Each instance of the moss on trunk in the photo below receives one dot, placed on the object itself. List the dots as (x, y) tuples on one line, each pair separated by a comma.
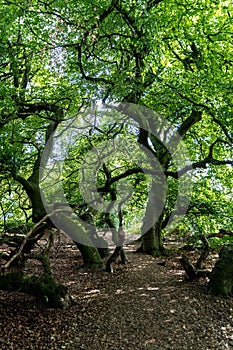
[(44, 288), (221, 278), (152, 223), (152, 242), (90, 254)]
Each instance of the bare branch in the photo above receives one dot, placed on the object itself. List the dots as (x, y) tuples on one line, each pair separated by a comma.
[(110, 181), (219, 140), (223, 127), (203, 164), (194, 118)]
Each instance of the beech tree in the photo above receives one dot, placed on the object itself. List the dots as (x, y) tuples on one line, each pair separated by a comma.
[(34, 102), (174, 58)]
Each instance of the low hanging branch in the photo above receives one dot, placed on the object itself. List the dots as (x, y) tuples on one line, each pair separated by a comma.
[(204, 162), (43, 259), (46, 290), (19, 251), (220, 234)]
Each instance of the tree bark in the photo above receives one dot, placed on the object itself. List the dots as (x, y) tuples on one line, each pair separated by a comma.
[(152, 242), (189, 268), (152, 223), (97, 241), (221, 278), (204, 254), (191, 271), (113, 258), (118, 251), (34, 194), (90, 254)]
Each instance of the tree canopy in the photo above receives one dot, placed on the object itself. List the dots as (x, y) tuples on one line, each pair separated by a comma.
[(58, 58)]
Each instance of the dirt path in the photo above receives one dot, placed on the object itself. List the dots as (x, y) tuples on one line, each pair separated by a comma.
[(141, 306)]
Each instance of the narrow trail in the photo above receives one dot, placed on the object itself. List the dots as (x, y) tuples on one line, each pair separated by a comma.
[(140, 306)]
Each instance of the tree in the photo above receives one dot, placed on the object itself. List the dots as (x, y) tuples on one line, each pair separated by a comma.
[(173, 58), (33, 105)]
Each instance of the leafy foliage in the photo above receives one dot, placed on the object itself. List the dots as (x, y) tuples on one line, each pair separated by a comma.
[(176, 58)]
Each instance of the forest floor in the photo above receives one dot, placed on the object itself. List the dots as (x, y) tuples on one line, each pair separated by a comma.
[(142, 305)]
